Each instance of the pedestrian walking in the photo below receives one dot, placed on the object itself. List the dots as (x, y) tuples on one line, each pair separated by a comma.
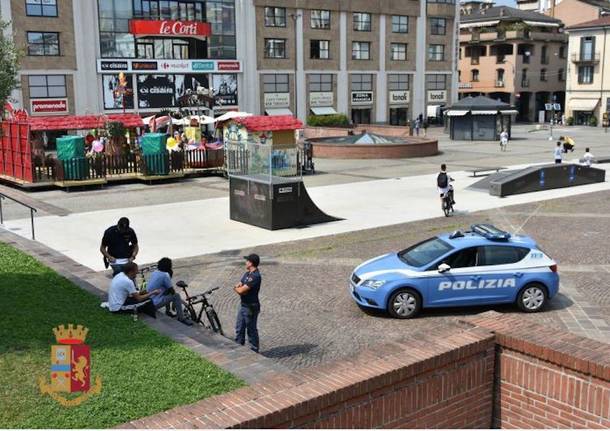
[(558, 153), (417, 126), (250, 307), (426, 127), (503, 140), (588, 158), (119, 245)]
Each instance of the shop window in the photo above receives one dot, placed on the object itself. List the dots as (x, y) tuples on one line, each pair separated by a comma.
[(400, 24), (399, 116), (319, 49), (275, 17), (361, 116), (320, 19), (320, 82), (276, 83), (362, 21), (43, 43), (47, 86), (398, 82), (398, 51), (275, 48), (436, 53), (436, 82), (361, 50), (362, 82), (41, 8), (438, 26)]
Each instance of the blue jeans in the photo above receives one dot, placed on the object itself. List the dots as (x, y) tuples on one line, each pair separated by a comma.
[(247, 317)]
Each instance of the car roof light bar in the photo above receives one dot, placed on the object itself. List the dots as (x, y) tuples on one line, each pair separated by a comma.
[(490, 232)]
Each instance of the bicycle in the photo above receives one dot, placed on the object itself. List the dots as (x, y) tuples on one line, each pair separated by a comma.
[(448, 202), (190, 311), (143, 270)]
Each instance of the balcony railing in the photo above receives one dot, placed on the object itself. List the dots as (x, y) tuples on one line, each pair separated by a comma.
[(474, 60), (525, 82), (500, 59), (585, 58), (499, 83)]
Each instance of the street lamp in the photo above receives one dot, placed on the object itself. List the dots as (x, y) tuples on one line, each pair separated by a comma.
[(295, 17)]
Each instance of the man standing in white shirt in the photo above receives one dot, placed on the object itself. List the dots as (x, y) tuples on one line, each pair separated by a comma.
[(558, 153), (588, 158)]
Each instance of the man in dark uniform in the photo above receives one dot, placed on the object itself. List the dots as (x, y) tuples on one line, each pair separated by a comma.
[(250, 306), (119, 245)]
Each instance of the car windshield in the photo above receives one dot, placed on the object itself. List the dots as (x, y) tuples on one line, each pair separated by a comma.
[(425, 252)]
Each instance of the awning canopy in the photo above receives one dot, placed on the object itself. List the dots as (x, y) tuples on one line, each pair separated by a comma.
[(433, 111), (456, 113), (263, 123), (483, 112), (509, 112), (278, 111), (583, 104), (479, 24), (541, 23), (328, 110), (83, 122)]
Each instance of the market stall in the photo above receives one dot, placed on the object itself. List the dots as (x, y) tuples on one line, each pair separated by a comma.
[(479, 119)]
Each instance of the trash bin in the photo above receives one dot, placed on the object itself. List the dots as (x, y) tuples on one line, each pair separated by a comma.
[(70, 147)]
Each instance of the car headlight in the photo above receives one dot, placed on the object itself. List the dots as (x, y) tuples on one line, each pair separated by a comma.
[(373, 284)]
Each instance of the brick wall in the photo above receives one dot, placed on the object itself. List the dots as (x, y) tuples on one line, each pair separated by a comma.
[(488, 370), (547, 378), (430, 382), (420, 148), (380, 129)]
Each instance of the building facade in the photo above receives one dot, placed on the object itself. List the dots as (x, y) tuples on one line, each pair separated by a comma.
[(516, 56), (381, 61), (588, 89), (570, 12)]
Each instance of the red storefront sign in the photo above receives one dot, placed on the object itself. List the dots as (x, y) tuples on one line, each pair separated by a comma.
[(49, 106), (228, 65), (169, 28)]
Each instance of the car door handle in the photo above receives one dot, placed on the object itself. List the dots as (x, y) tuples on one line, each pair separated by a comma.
[(518, 274)]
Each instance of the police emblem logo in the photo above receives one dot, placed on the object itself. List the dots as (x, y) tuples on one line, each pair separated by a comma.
[(70, 367)]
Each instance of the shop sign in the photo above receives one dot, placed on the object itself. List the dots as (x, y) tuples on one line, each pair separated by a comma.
[(321, 99), (175, 66), (144, 65), (362, 97), (203, 66), (143, 27), (437, 96), (277, 100), (233, 66), (399, 97), (49, 106), (114, 65)]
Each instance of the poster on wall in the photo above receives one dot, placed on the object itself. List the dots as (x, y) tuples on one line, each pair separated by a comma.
[(225, 89), (165, 91), (112, 98)]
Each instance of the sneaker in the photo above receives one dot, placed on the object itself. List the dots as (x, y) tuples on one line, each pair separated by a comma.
[(186, 322)]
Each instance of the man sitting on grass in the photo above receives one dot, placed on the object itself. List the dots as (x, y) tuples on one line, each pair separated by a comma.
[(123, 289)]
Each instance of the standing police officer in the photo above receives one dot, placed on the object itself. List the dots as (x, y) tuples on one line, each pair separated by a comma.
[(250, 306)]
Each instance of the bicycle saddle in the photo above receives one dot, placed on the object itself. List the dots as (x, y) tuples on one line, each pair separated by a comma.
[(181, 284)]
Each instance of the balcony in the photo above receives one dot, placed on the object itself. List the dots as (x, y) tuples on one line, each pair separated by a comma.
[(585, 58), (525, 82), (500, 59), (474, 61), (499, 83)]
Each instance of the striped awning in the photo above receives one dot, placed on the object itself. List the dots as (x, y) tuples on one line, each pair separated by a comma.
[(509, 111), (479, 24), (483, 112), (541, 23), (456, 113)]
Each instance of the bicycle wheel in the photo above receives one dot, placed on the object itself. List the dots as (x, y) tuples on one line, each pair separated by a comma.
[(214, 320), (446, 207), (189, 312)]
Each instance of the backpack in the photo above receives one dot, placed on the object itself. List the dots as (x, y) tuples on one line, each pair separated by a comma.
[(442, 181)]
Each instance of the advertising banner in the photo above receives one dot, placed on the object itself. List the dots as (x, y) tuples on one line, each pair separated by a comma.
[(362, 97), (167, 66), (144, 27), (437, 96), (277, 100), (165, 91), (321, 99), (399, 97), (112, 98), (225, 89)]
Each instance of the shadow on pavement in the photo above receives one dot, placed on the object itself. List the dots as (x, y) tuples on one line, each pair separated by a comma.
[(289, 350)]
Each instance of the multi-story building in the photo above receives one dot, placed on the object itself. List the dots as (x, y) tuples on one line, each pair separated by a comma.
[(570, 12), (515, 56), (376, 61), (588, 89), (382, 61)]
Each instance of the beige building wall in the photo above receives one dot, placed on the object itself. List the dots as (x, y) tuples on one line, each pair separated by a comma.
[(572, 12), (599, 89)]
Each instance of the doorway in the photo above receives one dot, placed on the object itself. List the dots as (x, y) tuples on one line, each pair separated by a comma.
[(398, 116), (361, 116)]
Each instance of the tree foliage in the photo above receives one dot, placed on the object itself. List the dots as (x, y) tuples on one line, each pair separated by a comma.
[(10, 56)]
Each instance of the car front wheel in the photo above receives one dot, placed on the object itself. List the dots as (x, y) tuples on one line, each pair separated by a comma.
[(532, 298), (404, 304)]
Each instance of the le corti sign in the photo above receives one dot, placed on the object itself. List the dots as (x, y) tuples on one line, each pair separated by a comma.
[(145, 27), (108, 65)]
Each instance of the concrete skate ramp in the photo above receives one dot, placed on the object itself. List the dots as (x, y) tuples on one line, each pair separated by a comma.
[(276, 203), (545, 177), (483, 184)]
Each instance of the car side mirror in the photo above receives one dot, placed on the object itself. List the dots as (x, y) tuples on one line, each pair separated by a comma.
[(443, 267)]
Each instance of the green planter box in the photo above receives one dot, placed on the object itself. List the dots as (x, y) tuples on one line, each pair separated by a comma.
[(153, 143), (70, 147), (75, 168), (157, 164)]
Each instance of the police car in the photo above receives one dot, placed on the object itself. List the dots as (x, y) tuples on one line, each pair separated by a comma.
[(482, 266)]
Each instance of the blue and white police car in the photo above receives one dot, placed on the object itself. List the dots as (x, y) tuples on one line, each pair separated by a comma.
[(481, 266)]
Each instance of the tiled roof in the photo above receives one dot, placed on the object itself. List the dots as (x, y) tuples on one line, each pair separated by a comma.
[(261, 123), (507, 13), (479, 102), (604, 21), (82, 122)]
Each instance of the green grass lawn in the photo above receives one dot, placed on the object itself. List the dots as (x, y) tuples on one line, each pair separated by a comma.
[(142, 371)]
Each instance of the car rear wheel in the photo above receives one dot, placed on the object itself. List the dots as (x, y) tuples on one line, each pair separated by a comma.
[(404, 304), (532, 298)]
